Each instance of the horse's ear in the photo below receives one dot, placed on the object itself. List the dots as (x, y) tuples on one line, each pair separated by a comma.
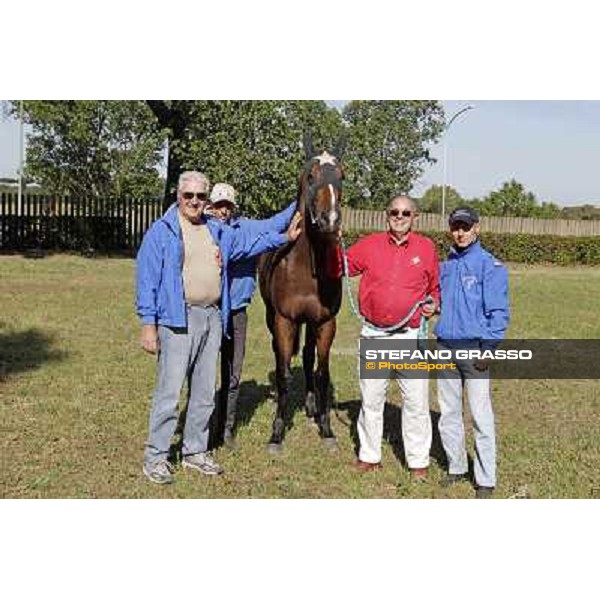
[(340, 146), (309, 148)]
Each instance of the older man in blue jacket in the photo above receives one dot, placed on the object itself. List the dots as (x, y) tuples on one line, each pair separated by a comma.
[(474, 314), (184, 302)]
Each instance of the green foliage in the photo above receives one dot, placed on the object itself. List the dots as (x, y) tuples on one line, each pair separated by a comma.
[(257, 147), (431, 201), (586, 212), (547, 210), (388, 147), (521, 247), (94, 149), (112, 148), (512, 200), (254, 145)]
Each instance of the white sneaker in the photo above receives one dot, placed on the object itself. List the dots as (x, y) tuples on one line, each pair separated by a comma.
[(203, 462), (160, 472)]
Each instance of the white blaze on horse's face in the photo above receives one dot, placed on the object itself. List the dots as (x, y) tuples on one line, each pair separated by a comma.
[(332, 212)]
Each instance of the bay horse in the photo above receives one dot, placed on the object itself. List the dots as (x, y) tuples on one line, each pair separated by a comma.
[(298, 290)]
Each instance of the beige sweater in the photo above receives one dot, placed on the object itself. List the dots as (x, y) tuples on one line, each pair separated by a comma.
[(201, 265)]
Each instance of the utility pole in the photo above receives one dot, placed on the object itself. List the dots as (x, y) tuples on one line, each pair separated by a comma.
[(21, 160), (454, 117)]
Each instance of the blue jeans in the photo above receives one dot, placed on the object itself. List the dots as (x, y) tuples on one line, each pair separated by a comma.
[(190, 353)]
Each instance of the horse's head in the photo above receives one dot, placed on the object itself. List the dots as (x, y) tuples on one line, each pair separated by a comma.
[(321, 191)]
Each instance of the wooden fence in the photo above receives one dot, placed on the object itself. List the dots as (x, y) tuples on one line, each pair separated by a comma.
[(93, 225), (98, 225), (372, 220)]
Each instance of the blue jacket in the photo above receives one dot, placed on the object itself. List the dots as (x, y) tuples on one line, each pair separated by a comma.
[(242, 273), (160, 293), (474, 286)]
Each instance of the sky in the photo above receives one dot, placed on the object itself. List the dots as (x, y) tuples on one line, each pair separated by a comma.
[(551, 147)]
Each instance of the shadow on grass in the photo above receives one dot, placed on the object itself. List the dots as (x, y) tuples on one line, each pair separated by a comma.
[(25, 350), (252, 395), (392, 430), (297, 396)]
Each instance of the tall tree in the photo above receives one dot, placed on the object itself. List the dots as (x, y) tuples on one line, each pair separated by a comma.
[(585, 212), (431, 201), (388, 146), (511, 200), (173, 118), (94, 148), (254, 145)]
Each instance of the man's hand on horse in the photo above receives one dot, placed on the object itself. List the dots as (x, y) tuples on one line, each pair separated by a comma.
[(294, 228), (149, 339)]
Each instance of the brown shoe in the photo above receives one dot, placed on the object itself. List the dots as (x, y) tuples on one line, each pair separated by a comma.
[(419, 474), (365, 467)]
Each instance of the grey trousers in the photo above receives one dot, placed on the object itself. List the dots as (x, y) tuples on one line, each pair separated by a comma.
[(232, 359), (451, 424), (185, 353)]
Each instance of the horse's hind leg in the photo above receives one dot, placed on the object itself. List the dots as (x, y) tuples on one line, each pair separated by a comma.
[(324, 339), (284, 335), (308, 363)]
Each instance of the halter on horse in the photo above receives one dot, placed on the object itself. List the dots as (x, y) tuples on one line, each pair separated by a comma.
[(297, 289)]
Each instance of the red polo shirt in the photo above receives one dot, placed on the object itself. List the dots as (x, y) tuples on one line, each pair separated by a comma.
[(394, 276)]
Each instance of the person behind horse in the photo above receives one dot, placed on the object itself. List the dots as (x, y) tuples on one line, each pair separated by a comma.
[(242, 280), (183, 301), (474, 314), (399, 269)]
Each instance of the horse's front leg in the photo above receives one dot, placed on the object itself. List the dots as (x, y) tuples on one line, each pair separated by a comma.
[(284, 332), (324, 339), (308, 364)]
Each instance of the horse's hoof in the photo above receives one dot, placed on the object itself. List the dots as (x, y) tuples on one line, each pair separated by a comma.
[(274, 449), (330, 443)]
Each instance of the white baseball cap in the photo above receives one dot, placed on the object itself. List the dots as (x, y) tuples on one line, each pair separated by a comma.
[(223, 192)]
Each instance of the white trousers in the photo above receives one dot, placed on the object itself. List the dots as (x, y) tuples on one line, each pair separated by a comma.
[(416, 420)]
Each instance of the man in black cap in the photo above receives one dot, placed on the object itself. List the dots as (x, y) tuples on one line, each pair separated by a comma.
[(474, 315)]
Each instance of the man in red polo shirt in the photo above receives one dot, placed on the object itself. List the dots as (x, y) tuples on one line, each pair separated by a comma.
[(399, 269)]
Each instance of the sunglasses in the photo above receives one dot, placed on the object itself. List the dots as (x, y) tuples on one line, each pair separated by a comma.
[(190, 196), (396, 212)]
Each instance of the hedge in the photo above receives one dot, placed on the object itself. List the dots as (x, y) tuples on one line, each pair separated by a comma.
[(521, 247)]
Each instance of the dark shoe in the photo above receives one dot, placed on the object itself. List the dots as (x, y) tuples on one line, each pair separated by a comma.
[(229, 441), (484, 493), (419, 474), (454, 478), (365, 467)]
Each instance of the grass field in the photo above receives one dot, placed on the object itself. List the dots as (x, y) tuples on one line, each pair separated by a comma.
[(75, 393)]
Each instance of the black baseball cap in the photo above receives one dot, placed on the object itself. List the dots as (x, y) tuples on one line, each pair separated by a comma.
[(465, 214)]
